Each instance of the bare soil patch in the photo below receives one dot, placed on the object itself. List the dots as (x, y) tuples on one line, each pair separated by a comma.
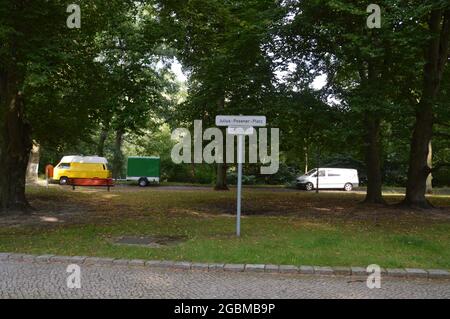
[(62, 206), (150, 241)]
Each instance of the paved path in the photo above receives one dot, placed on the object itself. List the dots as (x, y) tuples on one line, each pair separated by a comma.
[(42, 280)]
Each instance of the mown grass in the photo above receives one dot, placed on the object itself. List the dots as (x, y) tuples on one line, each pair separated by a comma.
[(293, 228)]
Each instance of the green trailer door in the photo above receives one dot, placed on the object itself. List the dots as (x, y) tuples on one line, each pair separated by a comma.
[(143, 167)]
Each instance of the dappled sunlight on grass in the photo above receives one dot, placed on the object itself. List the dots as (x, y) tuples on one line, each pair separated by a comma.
[(109, 196), (278, 227), (49, 219)]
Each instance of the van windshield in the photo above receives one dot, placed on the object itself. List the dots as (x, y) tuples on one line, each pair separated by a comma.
[(64, 166), (311, 172)]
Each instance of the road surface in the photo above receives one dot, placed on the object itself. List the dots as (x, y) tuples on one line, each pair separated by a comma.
[(21, 279)]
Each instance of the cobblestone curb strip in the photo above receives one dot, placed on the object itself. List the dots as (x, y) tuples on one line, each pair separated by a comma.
[(408, 273)]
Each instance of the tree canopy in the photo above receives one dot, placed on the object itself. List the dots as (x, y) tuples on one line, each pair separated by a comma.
[(341, 92)]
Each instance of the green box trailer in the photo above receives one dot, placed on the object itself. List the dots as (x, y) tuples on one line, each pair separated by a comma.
[(144, 170)]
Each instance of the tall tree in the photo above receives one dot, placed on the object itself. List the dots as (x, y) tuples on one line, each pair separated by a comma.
[(221, 45), (135, 85), (436, 59), (45, 72), (373, 72), (362, 65)]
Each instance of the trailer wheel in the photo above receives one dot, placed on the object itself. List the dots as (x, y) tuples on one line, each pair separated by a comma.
[(143, 182)]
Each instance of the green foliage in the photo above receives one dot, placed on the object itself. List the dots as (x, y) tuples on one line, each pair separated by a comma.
[(286, 175), (132, 85), (113, 75), (221, 45), (374, 74), (57, 64)]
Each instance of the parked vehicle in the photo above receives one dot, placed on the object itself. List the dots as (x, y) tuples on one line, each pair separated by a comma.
[(330, 178), (144, 170), (80, 167)]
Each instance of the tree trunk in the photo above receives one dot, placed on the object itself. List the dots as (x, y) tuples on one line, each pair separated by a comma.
[(436, 58), (33, 164), (372, 140), (118, 160), (193, 172), (221, 177), (306, 157), (418, 167), (15, 131), (101, 142), (15, 144), (430, 165), (373, 161), (221, 168)]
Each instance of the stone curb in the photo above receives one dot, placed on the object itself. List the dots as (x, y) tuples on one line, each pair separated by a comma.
[(407, 273)]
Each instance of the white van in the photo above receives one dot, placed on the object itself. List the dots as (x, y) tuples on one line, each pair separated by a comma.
[(330, 178)]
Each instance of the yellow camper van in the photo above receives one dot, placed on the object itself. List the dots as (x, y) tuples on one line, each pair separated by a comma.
[(80, 167)]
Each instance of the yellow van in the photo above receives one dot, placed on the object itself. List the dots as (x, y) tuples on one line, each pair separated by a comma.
[(80, 167)]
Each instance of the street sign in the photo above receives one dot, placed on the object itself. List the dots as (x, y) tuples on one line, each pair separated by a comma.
[(240, 121), (240, 130), (240, 126)]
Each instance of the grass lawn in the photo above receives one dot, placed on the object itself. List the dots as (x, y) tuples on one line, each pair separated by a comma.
[(280, 227)]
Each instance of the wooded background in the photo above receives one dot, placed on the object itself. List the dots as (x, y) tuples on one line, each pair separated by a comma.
[(107, 88)]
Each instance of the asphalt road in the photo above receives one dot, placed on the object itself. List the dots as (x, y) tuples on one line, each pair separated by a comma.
[(20, 279)]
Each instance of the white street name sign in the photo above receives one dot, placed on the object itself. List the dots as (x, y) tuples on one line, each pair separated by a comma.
[(241, 121)]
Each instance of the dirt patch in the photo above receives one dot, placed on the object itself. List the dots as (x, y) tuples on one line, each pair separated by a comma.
[(326, 208), (62, 206), (150, 241)]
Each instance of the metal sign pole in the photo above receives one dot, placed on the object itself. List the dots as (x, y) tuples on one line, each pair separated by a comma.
[(240, 126), (239, 186)]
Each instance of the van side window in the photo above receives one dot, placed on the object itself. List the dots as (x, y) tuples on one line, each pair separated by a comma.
[(321, 173), (64, 166)]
